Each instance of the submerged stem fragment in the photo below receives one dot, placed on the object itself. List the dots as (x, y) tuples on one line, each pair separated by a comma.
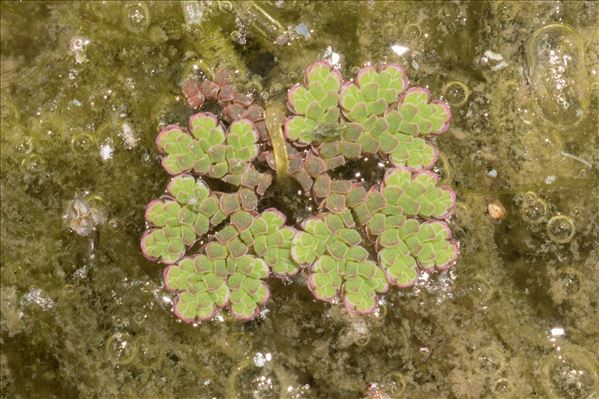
[(275, 116)]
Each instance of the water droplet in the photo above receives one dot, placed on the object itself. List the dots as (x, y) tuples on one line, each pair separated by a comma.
[(149, 354), (456, 93), (570, 280), (394, 384), (121, 348), (561, 229), (82, 143), (33, 163), (503, 386), (24, 145), (136, 16), (533, 208), (225, 6), (389, 30), (413, 31)]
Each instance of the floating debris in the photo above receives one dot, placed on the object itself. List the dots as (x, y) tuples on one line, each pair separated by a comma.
[(496, 210), (77, 47), (577, 158), (129, 137), (81, 217)]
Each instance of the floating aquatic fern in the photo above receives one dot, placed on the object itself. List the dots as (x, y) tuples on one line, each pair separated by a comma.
[(362, 238)]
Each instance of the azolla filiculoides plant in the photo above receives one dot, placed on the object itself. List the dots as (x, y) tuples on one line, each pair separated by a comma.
[(219, 242)]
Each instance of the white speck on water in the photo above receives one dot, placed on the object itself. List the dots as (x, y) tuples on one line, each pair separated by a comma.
[(81, 273), (302, 30), (399, 49), (493, 56), (37, 296), (260, 359), (558, 331), (106, 151), (499, 66), (192, 12), (128, 136), (332, 56)]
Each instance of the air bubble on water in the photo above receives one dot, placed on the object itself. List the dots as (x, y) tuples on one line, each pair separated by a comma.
[(193, 12), (456, 93), (533, 209), (77, 46), (33, 163), (136, 16), (561, 229), (24, 145), (121, 348), (225, 5), (555, 61), (413, 31), (82, 143)]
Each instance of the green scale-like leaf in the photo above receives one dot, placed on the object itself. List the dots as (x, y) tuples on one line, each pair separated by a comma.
[(248, 290), (209, 150), (177, 144), (207, 283), (338, 265), (315, 104), (419, 117), (177, 224), (202, 287), (372, 92), (272, 242), (416, 195)]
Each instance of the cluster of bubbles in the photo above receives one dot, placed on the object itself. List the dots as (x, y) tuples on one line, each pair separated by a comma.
[(571, 374), (534, 210)]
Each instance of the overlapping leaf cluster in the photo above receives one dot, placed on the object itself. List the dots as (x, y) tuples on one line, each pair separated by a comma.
[(402, 218), (358, 242)]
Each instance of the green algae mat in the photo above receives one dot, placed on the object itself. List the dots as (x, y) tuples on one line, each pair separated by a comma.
[(288, 199)]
